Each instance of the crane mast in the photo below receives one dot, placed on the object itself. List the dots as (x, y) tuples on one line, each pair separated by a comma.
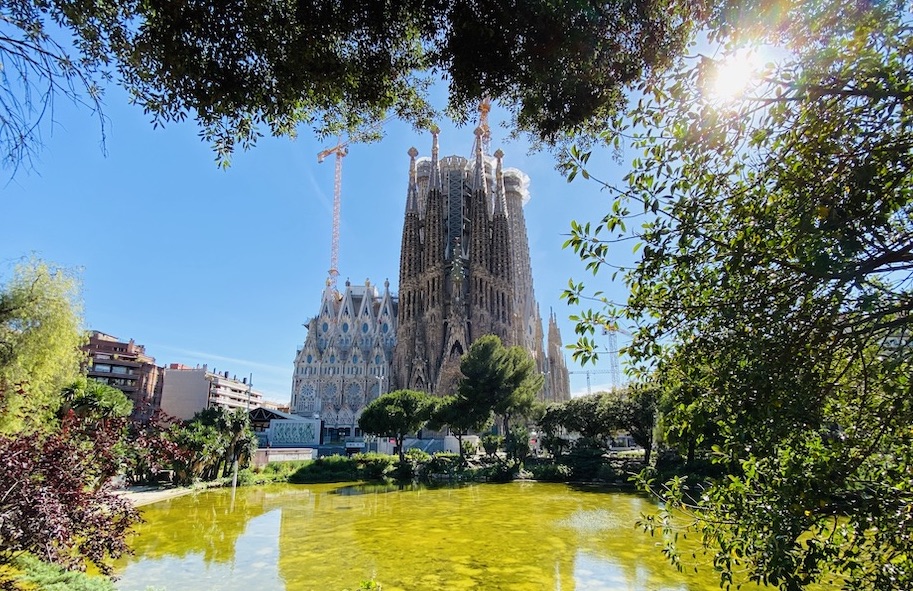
[(589, 390), (340, 150), (609, 330)]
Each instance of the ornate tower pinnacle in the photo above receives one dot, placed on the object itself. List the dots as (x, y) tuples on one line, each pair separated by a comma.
[(435, 180), (478, 180), (412, 198)]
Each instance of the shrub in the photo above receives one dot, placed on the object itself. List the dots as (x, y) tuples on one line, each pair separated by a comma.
[(284, 467), (440, 464), (469, 448), (271, 473), (417, 456), (54, 503), (516, 444), (498, 472), (375, 466), (248, 477), (550, 472), (491, 443), (585, 462), (404, 471), (326, 469), (26, 572), (607, 473)]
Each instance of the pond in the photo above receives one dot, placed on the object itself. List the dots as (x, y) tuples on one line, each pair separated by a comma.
[(330, 537)]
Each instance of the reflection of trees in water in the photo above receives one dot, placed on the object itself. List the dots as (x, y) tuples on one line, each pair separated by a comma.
[(479, 537), (524, 536), (208, 523)]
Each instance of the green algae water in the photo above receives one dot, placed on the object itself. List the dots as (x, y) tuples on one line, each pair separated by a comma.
[(330, 537)]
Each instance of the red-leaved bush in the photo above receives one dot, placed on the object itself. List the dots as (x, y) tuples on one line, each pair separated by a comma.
[(55, 500)]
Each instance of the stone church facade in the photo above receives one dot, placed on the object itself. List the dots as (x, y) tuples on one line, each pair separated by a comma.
[(345, 361), (465, 272)]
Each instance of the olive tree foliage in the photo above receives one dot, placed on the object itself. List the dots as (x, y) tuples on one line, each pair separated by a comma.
[(586, 416), (596, 417), (551, 425), (773, 290), (237, 67), (397, 414), (40, 336)]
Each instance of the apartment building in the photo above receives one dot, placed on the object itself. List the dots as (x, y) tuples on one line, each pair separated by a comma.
[(127, 367), (188, 390)]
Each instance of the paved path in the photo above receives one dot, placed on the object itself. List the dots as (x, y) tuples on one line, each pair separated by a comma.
[(146, 495)]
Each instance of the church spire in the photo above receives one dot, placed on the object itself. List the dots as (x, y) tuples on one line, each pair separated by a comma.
[(412, 198), (435, 180), (478, 179), (500, 192)]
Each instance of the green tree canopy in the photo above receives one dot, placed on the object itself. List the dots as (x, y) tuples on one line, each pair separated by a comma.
[(558, 67), (632, 410), (775, 248), (397, 414), (40, 339), (586, 415), (504, 380), (462, 415), (211, 441)]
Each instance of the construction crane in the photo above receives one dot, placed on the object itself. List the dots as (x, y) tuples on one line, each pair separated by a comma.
[(609, 330), (340, 150), (592, 371)]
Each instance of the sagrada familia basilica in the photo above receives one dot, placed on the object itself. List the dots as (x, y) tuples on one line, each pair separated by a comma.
[(464, 272)]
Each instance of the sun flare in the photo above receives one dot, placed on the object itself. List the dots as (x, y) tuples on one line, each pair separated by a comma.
[(733, 74)]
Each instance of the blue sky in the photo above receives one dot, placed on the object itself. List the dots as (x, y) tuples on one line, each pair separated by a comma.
[(204, 265)]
